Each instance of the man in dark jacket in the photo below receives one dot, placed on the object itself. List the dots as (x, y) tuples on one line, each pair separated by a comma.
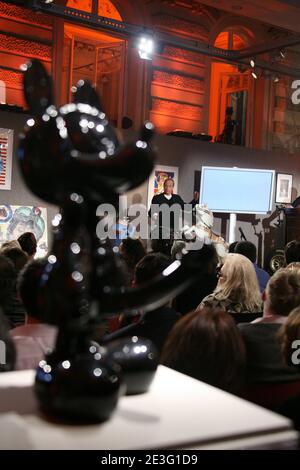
[(166, 210)]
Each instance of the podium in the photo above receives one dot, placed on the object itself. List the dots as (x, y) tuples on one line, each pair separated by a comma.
[(292, 224)]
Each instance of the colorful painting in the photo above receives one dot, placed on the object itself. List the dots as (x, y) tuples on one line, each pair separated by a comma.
[(15, 220), (6, 150), (157, 179)]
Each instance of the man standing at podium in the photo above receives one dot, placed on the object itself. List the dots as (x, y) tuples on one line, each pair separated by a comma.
[(166, 210)]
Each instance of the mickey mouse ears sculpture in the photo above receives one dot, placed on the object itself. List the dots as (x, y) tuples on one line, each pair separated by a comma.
[(71, 157), (75, 146)]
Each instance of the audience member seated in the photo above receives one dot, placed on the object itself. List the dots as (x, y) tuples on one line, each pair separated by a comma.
[(164, 246), (7, 347), (231, 247), (265, 361), (237, 290), (34, 339), (207, 345), (157, 324), (11, 244), (289, 335), (192, 296), (28, 243), (292, 252), (18, 257), (248, 249), (9, 302), (132, 251), (295, 266)]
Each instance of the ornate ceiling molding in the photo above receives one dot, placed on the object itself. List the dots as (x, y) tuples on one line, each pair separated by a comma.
[(179, 25), (182, 54), (178, 81), (14, 12), (173, 108), (25, 47), (193, 7), (183, 41)]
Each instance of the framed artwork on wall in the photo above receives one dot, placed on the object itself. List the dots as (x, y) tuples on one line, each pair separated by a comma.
[(284, 184), (15, 220), (157, 179), (6, 152)]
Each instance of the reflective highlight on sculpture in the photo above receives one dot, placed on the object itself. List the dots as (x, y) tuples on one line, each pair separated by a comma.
[(72, 157)]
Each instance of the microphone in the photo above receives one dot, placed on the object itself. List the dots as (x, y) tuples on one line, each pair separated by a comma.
[(242, 234)]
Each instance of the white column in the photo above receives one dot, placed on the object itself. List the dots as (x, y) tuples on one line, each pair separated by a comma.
[(232, 228)]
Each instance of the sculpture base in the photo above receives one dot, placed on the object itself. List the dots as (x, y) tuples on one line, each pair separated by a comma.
[(82, 389)]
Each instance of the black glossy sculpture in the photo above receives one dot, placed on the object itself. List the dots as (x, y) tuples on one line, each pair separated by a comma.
[(72, 157), (138, 359), (83, 388)]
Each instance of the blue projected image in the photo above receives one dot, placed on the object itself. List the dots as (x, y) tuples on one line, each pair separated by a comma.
[(237, 190)]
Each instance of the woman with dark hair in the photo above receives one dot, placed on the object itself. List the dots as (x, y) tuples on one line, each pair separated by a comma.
[(132, 251), (28, 243), (207, 345), (289, 336)]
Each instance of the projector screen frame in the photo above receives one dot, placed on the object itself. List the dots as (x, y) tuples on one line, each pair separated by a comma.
[(271, 199)]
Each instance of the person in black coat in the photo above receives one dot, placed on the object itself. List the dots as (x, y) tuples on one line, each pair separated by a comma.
[(166, 210), (195, 199)]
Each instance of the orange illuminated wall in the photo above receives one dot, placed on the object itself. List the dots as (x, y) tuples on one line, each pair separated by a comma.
[(177, 94), (84, 5), (95, 56), (177, 90), (216, 118), (23, 35)]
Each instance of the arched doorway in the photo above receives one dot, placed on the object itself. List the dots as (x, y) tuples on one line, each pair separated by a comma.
[(95, 56), (230, 87)]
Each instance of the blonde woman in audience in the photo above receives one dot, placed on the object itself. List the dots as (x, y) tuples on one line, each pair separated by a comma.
[(295, 265), (237, 290)]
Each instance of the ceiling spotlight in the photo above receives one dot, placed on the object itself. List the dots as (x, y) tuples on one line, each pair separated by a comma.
[(276, 79), (282, 53), (252, 63), (254, 75), (146, 47), (278, 54)]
